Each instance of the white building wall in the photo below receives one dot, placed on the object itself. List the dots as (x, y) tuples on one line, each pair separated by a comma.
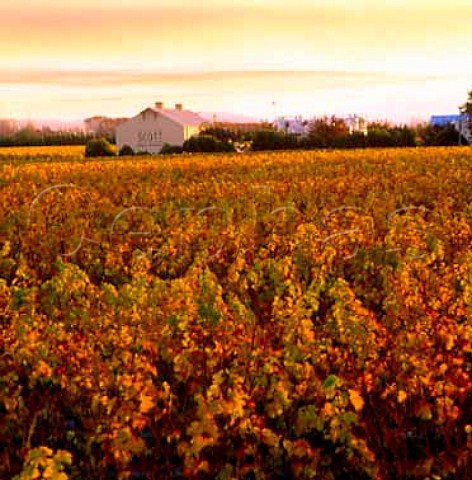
[(295, 126), (149, 131), (191, 131)]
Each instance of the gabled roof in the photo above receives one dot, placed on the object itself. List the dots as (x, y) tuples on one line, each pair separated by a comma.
[(182, 117)]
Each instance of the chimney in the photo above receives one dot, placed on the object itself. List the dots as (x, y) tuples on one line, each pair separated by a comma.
[(178, 107), (159, 105)]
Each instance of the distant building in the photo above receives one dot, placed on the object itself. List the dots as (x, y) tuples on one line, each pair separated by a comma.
[(443, 120), (238, 127), (295, 126), (356, 124), (461, 123), (153, 127), (8, 127), (100, 125), (299, 126)]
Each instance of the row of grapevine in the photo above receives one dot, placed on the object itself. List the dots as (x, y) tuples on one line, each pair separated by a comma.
[(270, 315)]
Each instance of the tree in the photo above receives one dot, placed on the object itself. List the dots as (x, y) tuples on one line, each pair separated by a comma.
[(223, 134), (28, 135), (99, 147), (467, 106), (403, 136), (327, 131), (7, 127), (271, 140), (352, 140), (438, 135), (466, 109), (380, 135)]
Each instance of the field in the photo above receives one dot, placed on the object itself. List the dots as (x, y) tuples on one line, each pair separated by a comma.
[(258, 316)]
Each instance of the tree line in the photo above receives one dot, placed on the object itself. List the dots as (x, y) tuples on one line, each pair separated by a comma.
[(323, 133), (29, 136)]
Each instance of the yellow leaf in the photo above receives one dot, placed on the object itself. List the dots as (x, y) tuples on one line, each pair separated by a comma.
[(45, 451), (48, 472), (401, 396), (44, 369), (356, 400), (35, 473), (425, 413)]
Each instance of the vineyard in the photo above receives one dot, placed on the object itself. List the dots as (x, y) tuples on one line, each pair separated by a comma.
[(259, 316)]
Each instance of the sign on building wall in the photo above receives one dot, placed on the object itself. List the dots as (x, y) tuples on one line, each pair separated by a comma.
[(150, 138)]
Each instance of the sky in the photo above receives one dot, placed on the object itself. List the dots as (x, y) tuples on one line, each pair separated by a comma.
[(386, 59)]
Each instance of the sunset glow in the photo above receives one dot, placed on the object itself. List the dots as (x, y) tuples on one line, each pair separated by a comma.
[(396, 59)]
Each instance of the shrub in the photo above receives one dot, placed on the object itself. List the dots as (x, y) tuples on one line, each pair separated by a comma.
[(206, 143), (270, 140), (169, 149), (99, 147), (126, 151)]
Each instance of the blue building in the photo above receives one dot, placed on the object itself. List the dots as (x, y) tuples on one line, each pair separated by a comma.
[(442, 120), (460, 122)]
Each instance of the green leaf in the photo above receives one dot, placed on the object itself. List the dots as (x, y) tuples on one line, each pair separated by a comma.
[(349, 418), (331, 381)]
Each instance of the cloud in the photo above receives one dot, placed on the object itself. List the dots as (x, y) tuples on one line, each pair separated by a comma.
[(257, 78), (303, 35)]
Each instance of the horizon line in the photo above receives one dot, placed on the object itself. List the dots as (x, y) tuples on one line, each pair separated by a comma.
[(9, 74)]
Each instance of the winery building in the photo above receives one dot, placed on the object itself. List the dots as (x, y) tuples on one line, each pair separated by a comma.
[(155, 126)]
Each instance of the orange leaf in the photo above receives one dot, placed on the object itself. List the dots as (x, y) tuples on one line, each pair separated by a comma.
[(356, 400), (401, 396), (147, 403)]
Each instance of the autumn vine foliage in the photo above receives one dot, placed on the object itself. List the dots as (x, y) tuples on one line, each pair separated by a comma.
[(270, 315)]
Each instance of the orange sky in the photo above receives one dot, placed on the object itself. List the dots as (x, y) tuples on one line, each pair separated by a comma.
[(93, 40)]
